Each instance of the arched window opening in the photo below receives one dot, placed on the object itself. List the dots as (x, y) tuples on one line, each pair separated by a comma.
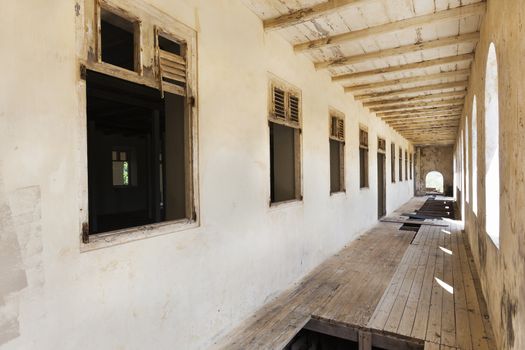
[(474, 136), (434, 182), (492, 184), (467, 165)]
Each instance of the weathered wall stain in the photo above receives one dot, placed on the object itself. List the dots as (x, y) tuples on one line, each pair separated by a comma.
[(12, 272)]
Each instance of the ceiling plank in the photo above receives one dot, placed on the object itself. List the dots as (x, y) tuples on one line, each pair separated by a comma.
[(425, 45), (424, 118), (416, 79), (425, 88), (309, 13), (454, 121), (431, 97), (421, 114), (422, 109), (405, 67), (418, 104), (413, 22)]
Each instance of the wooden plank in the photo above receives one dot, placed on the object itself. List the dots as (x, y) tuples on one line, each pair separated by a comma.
[(365, 340), (418, 47), (448, 319), (433, 331), (425, 88), (409, 80), (429, 97), (412, 22), (396, 107), (405, 67), (310, 13)]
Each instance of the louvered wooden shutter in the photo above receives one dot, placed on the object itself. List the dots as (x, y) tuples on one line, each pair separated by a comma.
[(172, 70), (381, 144), (337, 128), (278, 103), (294, 108), (363, 138)]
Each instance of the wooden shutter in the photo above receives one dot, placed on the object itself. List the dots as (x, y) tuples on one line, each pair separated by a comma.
[(172, 69), (363, 138), (278, 103), (381, 144), (337, 128), (285, 105)]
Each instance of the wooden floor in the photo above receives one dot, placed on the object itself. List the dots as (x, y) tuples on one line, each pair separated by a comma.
[(388, 281)]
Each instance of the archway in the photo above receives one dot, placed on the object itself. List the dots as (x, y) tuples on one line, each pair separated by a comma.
[(434, 182)]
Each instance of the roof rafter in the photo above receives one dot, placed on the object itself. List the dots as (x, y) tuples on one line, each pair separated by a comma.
[(416, 79), (413, 22), (417, 105), (425, 45), (405, 67), (309, 13), (425, 88), (420, 111), (429, 97)]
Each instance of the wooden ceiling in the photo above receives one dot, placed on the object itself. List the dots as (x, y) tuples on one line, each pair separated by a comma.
[(408, 61)]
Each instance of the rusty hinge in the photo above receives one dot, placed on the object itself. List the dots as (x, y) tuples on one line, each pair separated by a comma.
[(83, 72), (85, 232), (192, 101)]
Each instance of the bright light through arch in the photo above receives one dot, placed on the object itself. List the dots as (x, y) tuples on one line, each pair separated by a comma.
[(492, 184)]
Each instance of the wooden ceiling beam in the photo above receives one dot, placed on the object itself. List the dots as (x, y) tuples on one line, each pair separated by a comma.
[(310, 13), (405, 67), (417, 118), (407, 100), (394, 107), (454, 121), (408, 23), (425, 45), (425, 88), (421, 112), (424, 109), (409, 80)]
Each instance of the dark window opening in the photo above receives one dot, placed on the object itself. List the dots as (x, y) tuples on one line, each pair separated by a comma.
[(400, 165), (406, 166), (363, 167), (118, 40), (336, 166), (393, 163), (284, 148), (137, 151), (170, 46)]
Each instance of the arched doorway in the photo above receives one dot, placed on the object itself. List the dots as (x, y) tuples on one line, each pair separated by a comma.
[(434, 182)]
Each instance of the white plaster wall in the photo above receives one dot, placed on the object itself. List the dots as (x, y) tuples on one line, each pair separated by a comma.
[(185, 289)]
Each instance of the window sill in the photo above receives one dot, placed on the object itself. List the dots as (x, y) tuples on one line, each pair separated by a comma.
[(338, 193), (286, 204), (112, 238)]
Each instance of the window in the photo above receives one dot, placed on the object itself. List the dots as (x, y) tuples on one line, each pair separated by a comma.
[(474, 141), (492, 180), (406, 166), (337, 152), (434, 182), (393, 162), (121, 168), (400, 164), (467, 165), (285, 142), (363, 158), (411, 165), (140, 126), (117, 40)]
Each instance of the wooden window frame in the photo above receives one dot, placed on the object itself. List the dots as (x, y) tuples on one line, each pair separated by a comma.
[(363, 145), (400, 164), (406, 165), (393, 162), (337, 133), (149, 22), (290, 91)]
